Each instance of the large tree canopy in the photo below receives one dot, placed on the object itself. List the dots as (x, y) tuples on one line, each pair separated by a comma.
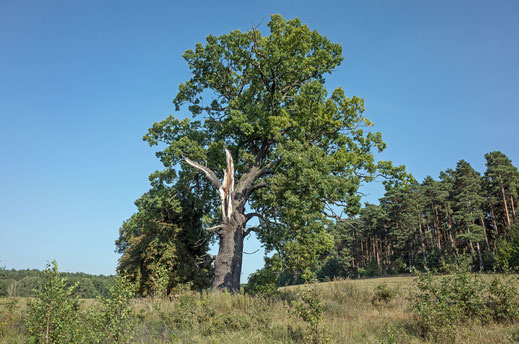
[(295, 153)]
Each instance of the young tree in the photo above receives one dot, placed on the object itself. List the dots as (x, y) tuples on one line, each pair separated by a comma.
[(291, 150)]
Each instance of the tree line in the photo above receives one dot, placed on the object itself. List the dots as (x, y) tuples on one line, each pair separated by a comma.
[(22, 283), (418, 226)]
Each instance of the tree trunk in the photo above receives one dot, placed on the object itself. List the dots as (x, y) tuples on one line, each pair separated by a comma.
[(228, 262), (479, 256), (422, 240), (496, 231), (450, 229), (484, 229), (436, 221), (231, 231), (506, 205)]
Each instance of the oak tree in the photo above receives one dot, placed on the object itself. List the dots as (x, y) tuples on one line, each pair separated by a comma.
[(271, 141)]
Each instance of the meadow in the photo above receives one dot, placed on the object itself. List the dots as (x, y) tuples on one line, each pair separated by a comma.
[(377, 310)]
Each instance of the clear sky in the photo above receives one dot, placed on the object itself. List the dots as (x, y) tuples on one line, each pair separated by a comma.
[(82, 81)]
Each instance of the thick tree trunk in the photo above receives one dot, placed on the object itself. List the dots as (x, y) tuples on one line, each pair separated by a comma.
[(231, 231), (228, 262)]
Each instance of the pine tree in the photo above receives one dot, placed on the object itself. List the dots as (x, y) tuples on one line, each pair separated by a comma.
[(502, 183), (467, 206)]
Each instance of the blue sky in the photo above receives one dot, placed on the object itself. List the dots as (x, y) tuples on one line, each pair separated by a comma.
[(82, 81)]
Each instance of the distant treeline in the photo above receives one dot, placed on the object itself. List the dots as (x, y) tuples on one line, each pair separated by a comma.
[(23, 282)]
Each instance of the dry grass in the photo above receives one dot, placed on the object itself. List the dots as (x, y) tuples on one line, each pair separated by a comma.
[(350, 316)]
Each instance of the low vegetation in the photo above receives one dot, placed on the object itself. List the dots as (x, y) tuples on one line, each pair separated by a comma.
[(459, 307)]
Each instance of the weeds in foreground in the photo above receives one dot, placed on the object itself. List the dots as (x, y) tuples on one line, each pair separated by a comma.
[(342, 312), (54, 316), (308, 306), (442, 303)]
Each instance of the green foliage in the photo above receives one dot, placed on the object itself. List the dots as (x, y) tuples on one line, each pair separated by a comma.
[(448, 300), (503, 302), (443, 302), (264, 99), (53, 316), (383, 293), (111, 320), (307, 306), (265, 280), (163, 244), (22, 283), (508, 250), (160, 281)]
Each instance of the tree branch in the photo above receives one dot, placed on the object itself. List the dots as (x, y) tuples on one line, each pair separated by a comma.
[(257, 186), (214, 228), (248, 230), (207, 171), (252, 215)]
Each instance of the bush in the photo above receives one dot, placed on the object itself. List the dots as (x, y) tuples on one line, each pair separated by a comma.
[(307, 305), (53, 316), (507, 254), (110, 321), (448, 300), (443, 302), (383, 294), (502, 303), (265, 281)]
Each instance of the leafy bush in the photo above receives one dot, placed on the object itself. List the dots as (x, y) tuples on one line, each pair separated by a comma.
[(262, 282), (110, 320), (383, 294), (53, 316), (372, 269), (442, 302), (502, 302), (507, 254), (308, 306)]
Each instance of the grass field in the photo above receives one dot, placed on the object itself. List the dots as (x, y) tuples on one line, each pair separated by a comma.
[(350, 314)]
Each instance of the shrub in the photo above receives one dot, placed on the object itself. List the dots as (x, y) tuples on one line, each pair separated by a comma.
[(383, 294), (265, 281), (447, 300), (507, 254), (53, 316), (502, 303), (443, 302), (307, 305), (110, 321)]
